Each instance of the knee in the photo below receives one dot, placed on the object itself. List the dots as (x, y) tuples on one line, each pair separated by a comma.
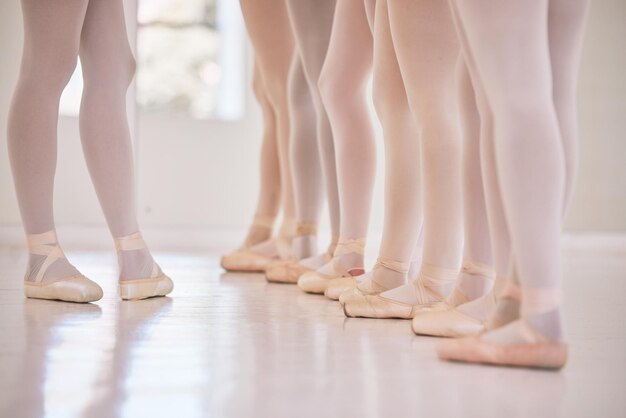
[(51, 74), (335, 91), (113, 74), (390, 104), (522, 111)]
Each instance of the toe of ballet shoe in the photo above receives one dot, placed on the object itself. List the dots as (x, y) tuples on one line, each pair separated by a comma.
[(374, 306), (448, 323), (145, 288), (336, 287), (313, 282), (285, 272), (543, 355), (72, 289), (349, 294), (244, 261)]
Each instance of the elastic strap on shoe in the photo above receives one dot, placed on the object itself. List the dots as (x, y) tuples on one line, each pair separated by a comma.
[(45, 244)]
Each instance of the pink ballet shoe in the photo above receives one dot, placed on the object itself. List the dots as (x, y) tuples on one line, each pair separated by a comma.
[(368, 286), (155, 285), (316, 281), (75, 288), (536, 353), (338, 286)]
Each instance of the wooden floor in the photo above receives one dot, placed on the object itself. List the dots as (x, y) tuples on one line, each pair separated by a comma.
[(233, 345)]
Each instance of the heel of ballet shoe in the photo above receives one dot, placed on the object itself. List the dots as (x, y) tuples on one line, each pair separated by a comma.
[(138, 289), (77, 289)]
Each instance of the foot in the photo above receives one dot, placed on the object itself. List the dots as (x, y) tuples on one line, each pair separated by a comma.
[(526, 342), (140, 275), (51, 276), (426, 293)]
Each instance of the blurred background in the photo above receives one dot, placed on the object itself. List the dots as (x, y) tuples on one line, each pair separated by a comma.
[(197, 130)]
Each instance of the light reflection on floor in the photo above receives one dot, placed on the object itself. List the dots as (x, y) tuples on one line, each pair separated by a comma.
[(234, 345)]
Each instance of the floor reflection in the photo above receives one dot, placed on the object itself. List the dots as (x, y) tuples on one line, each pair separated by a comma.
[(235, 345)]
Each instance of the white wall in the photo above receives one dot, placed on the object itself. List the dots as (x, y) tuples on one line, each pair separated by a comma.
[(202, 175)]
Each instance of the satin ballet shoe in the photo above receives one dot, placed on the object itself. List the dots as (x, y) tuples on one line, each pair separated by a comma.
[(289, 271), (464, 320), (246, 262), (477, 271), (376, 306), (316, 281), (537, 352), (447, 323), (155, 285), (259, 222), (338, 286), (76, 288), (368, 286), (285, 272), (423, 293)]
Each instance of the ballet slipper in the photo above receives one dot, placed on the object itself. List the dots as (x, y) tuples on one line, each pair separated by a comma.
[(259, 222), (316, 281), (376, 306), (285, 272), (76, 288), (289, 271), (338, 286), (535, 352), (157, 284), (467, 319), (368, 286), (248, 261), (477, 271), (448, 323), (426, 297)]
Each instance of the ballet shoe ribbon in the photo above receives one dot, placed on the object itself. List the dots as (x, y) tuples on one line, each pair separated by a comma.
[(45, 244), (477, 269), (430, 279), (263, 221), (130, 242), (306, 228), (398, 266), (349, 246)]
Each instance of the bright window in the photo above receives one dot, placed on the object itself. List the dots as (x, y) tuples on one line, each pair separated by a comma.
[(190, 58)]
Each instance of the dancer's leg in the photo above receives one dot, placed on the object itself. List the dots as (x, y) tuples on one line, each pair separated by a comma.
[(521, 97), (104, 126), (342, 83), (268, 204), (427, 51), (51, 42), (271, 36), (305, 166), (311, 21), (403, 209), (476, 277)]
